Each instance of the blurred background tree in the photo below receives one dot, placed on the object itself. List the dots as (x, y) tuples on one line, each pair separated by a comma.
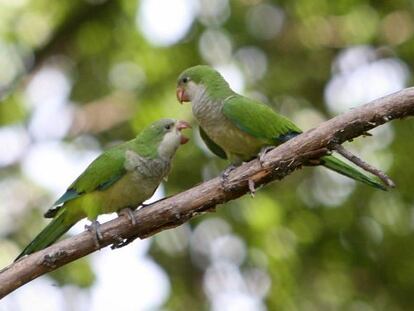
[(79, 76)]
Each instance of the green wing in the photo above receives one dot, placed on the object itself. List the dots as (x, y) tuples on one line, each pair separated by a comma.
[(259, 120), (104, 171), (216, 149), (262, 122)]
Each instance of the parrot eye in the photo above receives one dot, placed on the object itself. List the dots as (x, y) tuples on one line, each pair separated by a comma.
[(185, 79), (168, 127)]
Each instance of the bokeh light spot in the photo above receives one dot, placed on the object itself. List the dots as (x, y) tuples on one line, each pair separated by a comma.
[(164, 22), (253, 62), (215, 47), (361, 79), (265, 21), (213, 12), (127, 76)]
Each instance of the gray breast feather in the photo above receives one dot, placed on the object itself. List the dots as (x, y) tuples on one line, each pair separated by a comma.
[(147, 167)]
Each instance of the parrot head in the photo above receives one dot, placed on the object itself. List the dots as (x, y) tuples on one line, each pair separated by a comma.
[(164, 135), (198, 79)]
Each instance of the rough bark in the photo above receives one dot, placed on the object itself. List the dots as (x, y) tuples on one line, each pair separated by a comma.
[(175, 210)]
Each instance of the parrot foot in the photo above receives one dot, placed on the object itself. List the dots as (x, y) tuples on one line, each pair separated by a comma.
[(128, 213), (122, 242), (263, 153), (94, 228), (224, 175), (252, 188)]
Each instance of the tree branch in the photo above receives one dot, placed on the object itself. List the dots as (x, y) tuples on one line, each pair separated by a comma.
[(175, 210)]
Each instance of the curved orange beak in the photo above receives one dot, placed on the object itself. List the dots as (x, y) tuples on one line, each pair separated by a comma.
[(181, 125), (181, 95)]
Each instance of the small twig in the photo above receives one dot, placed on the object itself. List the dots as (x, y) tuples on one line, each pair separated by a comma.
[(364, 165), (252, 188)]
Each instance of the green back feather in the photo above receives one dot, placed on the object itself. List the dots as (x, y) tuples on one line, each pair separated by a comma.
[(258, 119), (109, 166)]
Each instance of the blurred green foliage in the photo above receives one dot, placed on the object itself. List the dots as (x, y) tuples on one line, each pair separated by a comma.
[(323, 242)]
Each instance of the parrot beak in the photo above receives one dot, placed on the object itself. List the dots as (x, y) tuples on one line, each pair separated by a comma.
[(181, 125), (181, 95)]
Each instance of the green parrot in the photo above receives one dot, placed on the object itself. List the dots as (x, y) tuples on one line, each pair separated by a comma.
[(238, 128), (120, 178)]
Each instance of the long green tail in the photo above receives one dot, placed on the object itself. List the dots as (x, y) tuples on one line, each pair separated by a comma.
[(53, 231), (345, 169)]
